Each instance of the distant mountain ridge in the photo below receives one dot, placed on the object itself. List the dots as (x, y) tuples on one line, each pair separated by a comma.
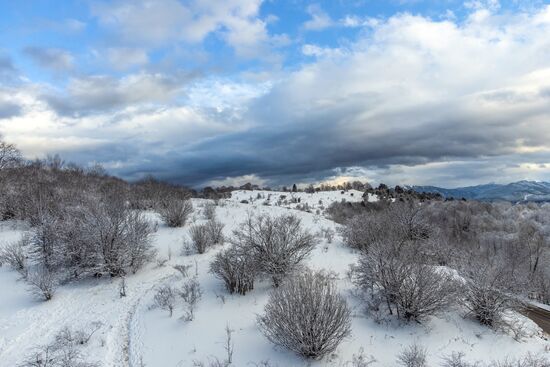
[(516, 191)]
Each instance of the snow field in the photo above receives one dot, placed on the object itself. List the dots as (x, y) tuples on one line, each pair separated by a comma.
[(133, 333)]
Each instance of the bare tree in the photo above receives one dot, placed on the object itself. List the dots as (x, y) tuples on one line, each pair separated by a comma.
[(306, 315), (10, 156), (278, 244)]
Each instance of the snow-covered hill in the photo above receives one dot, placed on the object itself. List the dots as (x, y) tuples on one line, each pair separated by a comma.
[(130, 332)]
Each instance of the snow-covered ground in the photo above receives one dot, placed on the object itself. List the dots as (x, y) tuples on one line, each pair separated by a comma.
[(133, 333)]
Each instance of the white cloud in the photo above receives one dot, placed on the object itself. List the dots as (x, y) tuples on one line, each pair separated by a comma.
[(319, 19), (158, 23), (317, 51), (416, 100), (55, 59), (101, 93), (123, 58)]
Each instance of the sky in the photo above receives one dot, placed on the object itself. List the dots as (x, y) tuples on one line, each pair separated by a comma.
[(224, 92)]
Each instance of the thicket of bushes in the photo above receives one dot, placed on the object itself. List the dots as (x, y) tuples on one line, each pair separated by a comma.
[(272, 246), (83, 222), (407, 250)]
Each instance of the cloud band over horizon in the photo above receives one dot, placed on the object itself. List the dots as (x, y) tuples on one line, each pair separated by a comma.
[(209, 92)]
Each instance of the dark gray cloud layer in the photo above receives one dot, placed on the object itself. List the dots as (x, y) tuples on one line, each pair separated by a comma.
[(9, 109), (413, 99)]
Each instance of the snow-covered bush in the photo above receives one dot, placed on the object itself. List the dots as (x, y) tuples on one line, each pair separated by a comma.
[(183, 269), (200, 238), (120, 237), (175, 212), (43, 283), (486, 293), (191, 293), (209, 210), (14, 255), (215, 231), (277, 244), (401, 221), (413, 356), (541, 284), (360, 231), (45, 243), (306, 315), (456, 359), (410, 288), (63, 351), (165, 298), (97, 237), (236, 268), (528, 361)]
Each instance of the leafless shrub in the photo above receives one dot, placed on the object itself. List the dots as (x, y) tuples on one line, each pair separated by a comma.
[(360, 360), (209, 210), (122, 287), (410, 288), (215, 231), (43, 284), (191, 293), (212, 362), (485, 294), (413, 356), (541, 284), (161, 262), (306, 315), (456, 359), (123, 237), (229, 346), (14, 255), (328, 234), (64, 351), (97, 237), (236, 268), (360, 231), (200, 237), (76, 337), (528, 361), (400, 221), (165, 299), (277, 244), (182, 269), (175, 212)]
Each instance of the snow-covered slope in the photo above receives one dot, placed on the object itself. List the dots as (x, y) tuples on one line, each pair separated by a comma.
[(313, 202), (132, 333)]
